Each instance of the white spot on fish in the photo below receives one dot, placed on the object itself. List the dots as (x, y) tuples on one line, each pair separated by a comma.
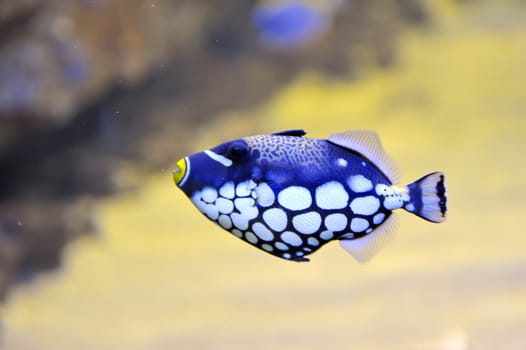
[(262, 232), (335, 222), (341, 162), (224, 206), (197, 200), (359, 183), (331, 195), (276, 219), (209, 194), (359, 225), (247, 207), (410, 207), (243, 189), (307, 223), (313, 242), (250, 237), (237, 233), (326, 235), (291, 238), (211, 211), (281, 246), (384, 190), (286, 256), (394, 197), (251, 185), (227, 190), (225, 222), (219, 158), (365, 205), (363, 164), (295, 198), (378, 218), (267, 247), (239, 220), (251, 213), (265, 195), (243, 204)]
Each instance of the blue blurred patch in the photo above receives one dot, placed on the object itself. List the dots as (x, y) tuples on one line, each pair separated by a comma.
[(287, 24), (20, 91), (74, 64)]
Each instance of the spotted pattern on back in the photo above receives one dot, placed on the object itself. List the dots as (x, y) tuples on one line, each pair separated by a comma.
[(290, 150)]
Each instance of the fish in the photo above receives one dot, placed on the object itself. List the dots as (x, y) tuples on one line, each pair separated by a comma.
[(288, 195)]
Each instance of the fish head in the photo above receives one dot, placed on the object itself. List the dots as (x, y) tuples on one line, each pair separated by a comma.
[(231, 161)]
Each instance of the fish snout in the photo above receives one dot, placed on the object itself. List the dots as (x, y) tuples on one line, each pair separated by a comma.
[(180, 172)]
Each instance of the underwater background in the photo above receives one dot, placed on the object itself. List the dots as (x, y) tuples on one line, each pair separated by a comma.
[(136, 266)]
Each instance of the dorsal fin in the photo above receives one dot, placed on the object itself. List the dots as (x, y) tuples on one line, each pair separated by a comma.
[(294, 132), (362, 249), (368, 144)]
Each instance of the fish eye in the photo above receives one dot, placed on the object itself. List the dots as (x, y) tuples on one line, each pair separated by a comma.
[(237, 151)]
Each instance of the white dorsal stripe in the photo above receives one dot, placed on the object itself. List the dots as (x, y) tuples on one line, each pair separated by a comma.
[(219, 158), (362, 249), (368, 144)]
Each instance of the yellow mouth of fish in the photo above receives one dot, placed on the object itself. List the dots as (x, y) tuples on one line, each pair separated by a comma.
[(179, 172)]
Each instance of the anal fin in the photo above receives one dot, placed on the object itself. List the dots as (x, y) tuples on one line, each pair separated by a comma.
[(364, 248)]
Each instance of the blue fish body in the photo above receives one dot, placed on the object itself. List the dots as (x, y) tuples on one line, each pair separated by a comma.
[(288, 195)]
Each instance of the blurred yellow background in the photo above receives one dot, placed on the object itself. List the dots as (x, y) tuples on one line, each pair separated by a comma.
[(160, 276)]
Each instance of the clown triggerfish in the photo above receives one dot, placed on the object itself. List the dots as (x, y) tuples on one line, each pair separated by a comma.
[(288, 195)]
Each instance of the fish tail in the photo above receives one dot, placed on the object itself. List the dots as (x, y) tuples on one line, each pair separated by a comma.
[(428, 197)]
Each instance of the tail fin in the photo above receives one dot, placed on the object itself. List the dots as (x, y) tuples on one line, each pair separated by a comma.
[(428, 197)]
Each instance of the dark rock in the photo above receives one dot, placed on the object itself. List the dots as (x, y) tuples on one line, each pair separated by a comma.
[(87, 85)]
